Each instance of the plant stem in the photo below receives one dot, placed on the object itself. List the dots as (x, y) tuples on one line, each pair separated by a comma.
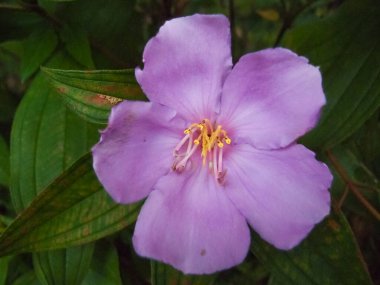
[(352, 186), (343, 198), (288, 18)]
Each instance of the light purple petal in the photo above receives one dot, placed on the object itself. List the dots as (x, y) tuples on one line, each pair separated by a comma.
[(136, 149), (271, 98), (282, 193), (189, 222), (186, 63)]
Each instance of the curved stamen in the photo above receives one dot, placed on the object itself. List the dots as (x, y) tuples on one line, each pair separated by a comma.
[(220, 160), (190, 144), (215, 165), (181, 143), (180, 166)]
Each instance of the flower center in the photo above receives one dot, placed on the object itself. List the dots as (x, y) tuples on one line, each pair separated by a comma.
[(211, 143)]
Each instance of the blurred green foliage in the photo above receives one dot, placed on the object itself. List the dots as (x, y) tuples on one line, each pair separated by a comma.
[(70, 232)]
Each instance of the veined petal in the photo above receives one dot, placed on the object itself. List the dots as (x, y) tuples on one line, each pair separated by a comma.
[(136, 149), (189, 222), (282, 193), (186, 63), (271, 98)]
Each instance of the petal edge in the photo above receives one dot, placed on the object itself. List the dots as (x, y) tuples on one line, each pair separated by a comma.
[(135, 149), (271, 98), (191, 224), (282, 193), (185, 65)]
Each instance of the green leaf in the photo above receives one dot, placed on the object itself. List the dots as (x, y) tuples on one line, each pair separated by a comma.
[(71, 211), (116, 29), (366, 143), (38, 47), (7, 103), (46, 139), (4, 262), (4, 162), (116, 83), (348, 169), (49, 6), (354, 168), (162, 274), (77, 45), (104, 268), (9, 66), (91, 94), (28, 278), (16, 22), (68, 266), (328, 256), (274, 281), (347, 48)]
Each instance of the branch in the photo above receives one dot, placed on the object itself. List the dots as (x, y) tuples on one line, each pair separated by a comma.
[(352, 185), (288, 19), (11, 6)]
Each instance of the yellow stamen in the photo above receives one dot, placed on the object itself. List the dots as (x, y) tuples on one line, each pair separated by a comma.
[(211, 140), (208, 138)]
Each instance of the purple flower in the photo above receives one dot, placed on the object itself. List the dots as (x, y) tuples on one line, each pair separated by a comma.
[(214, 150)]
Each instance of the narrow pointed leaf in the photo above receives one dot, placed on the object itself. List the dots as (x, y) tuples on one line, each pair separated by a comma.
[(17, 23), (91, 94), (4, 262), (69, 265), (78, 45), (73, 210), (46, 139), (328, 256), (28, 278), (38, 47), (4, 162), (104, 268)]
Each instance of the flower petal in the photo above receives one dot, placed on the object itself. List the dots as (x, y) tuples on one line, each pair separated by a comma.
[(136, 149), (186, 63), (271, 98), (189, 222), (282, 193)]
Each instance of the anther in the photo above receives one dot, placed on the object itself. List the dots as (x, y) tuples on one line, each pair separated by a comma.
[(210, 140), (221, 176)]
